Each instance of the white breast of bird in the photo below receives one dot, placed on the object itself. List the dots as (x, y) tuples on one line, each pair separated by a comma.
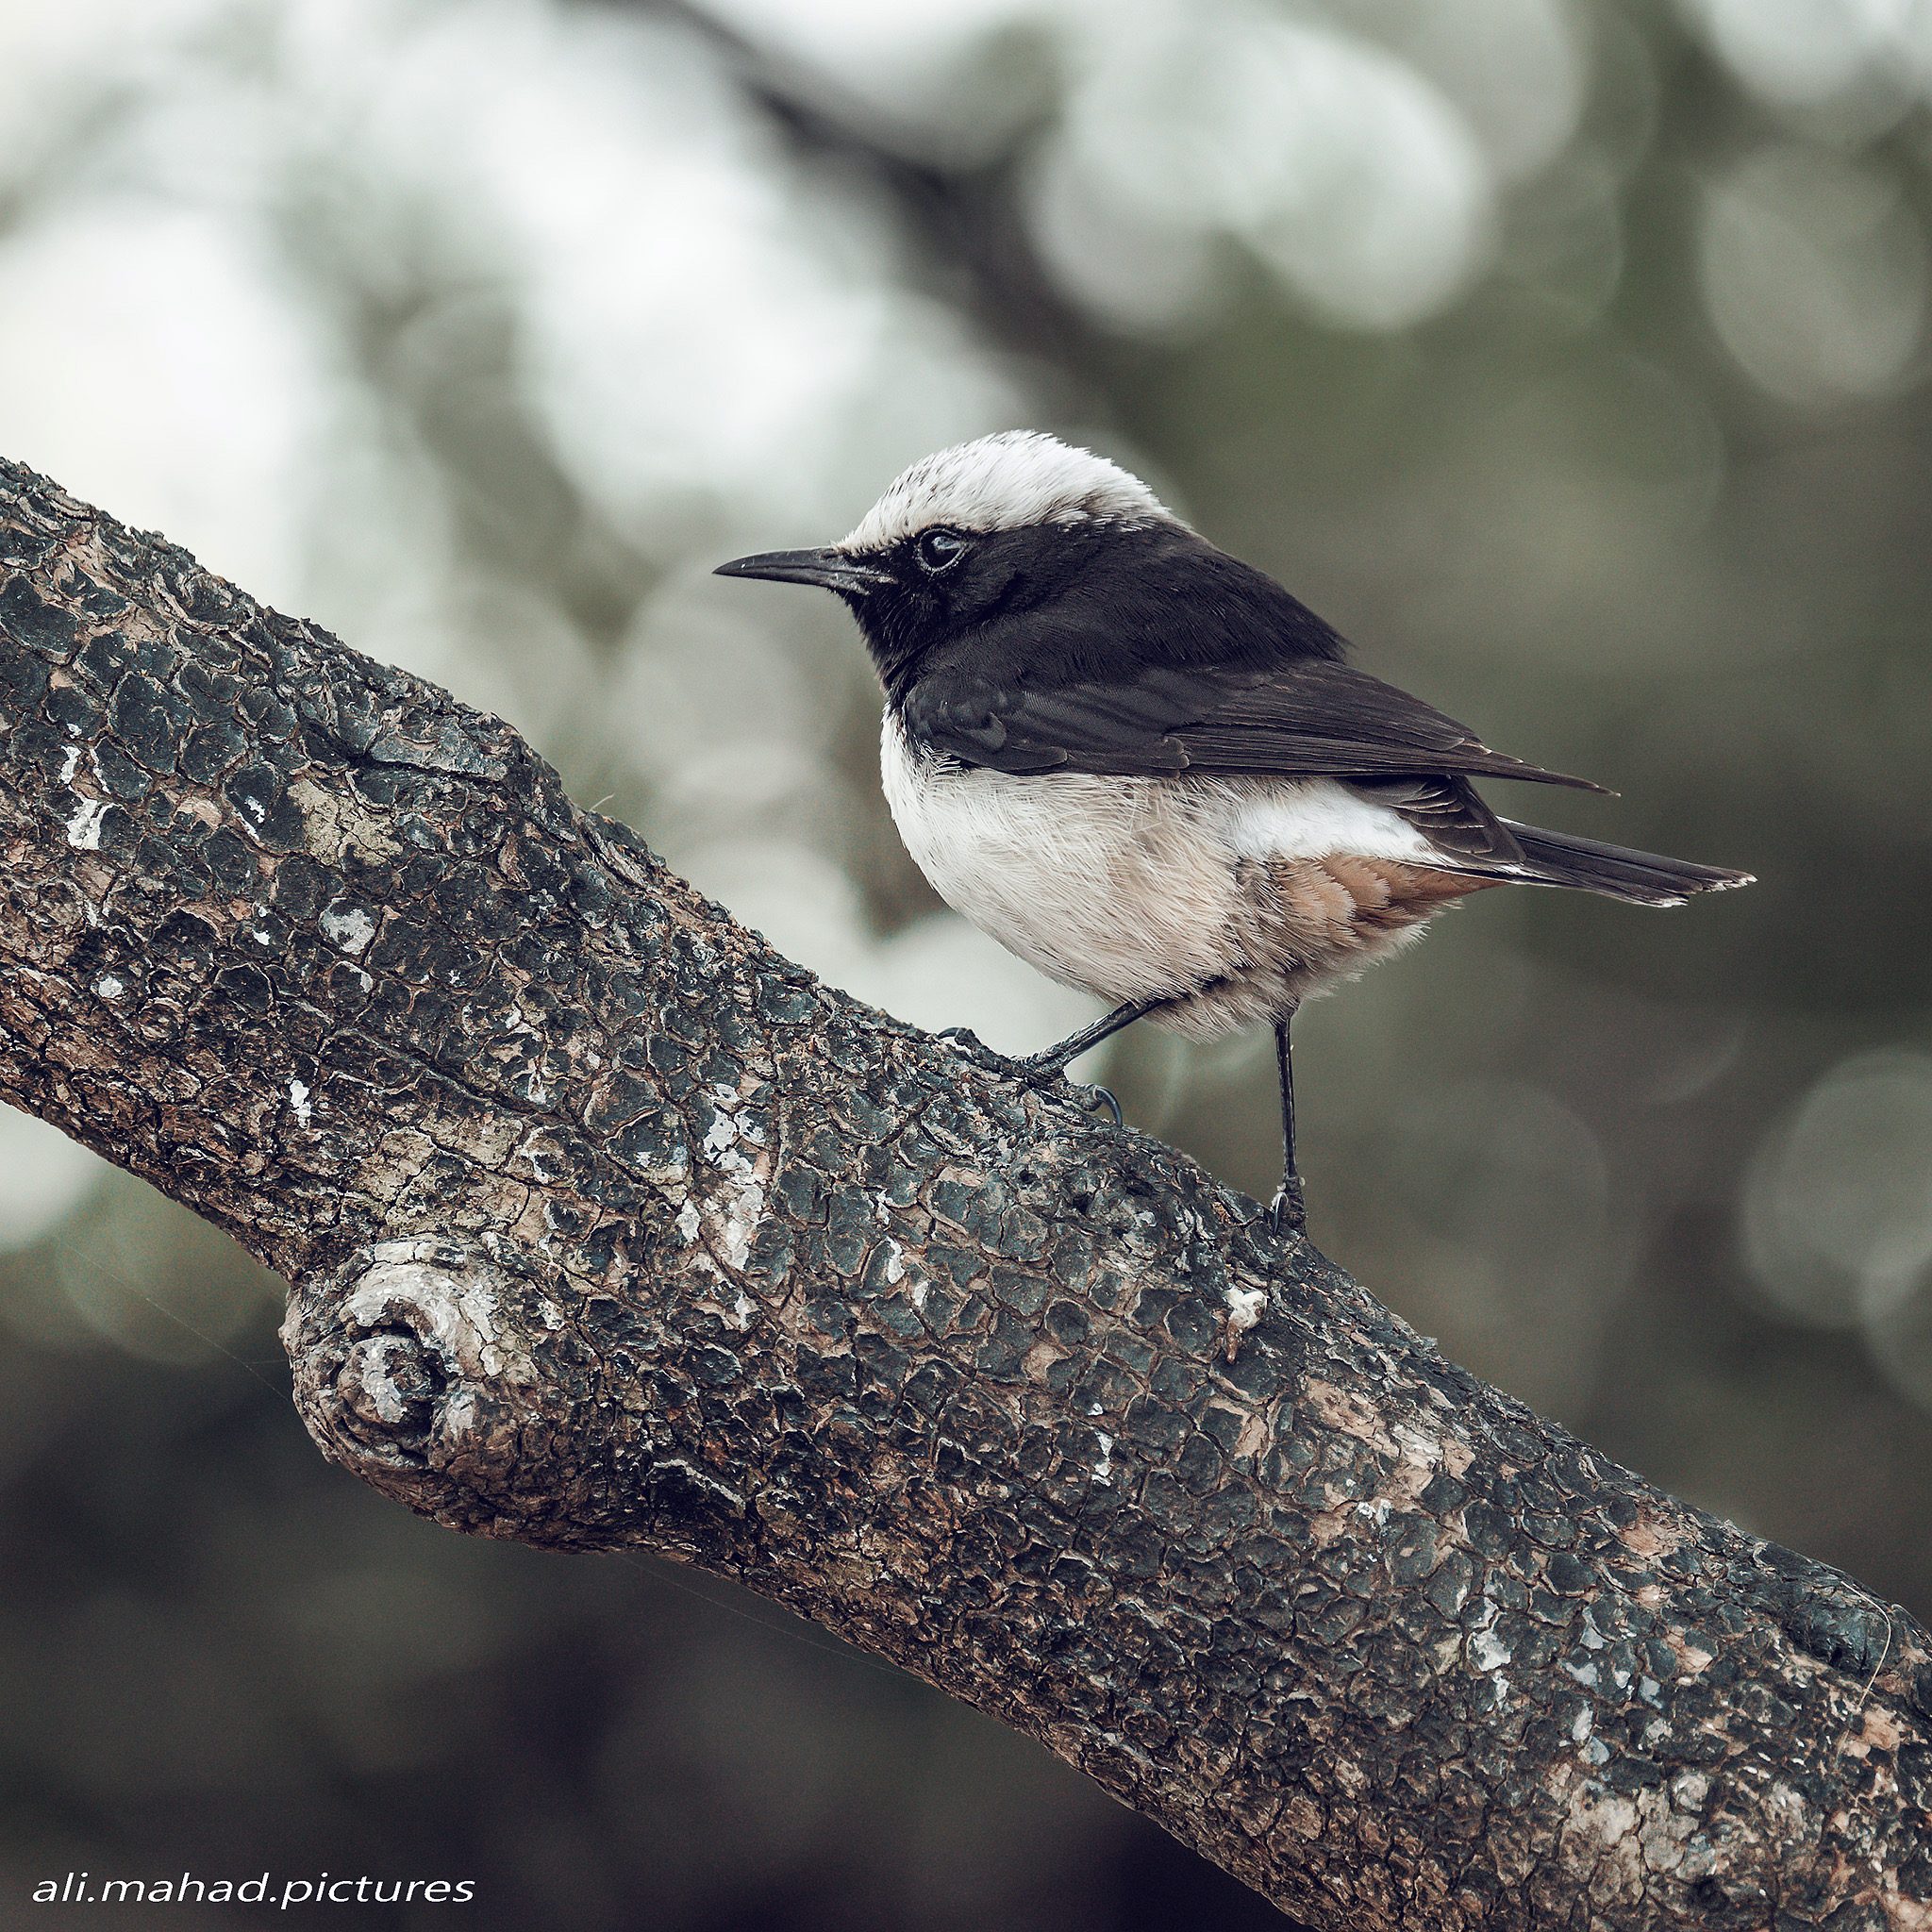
[(1208, 891)]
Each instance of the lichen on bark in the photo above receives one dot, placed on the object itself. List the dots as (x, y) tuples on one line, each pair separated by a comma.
[(606, 1226)]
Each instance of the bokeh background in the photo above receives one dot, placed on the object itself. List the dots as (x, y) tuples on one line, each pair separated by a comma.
[(1571, 357)]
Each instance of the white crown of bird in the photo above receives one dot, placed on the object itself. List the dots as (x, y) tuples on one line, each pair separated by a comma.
[(1008, 481)]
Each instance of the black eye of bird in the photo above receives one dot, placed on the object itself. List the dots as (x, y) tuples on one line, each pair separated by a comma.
[(939, 549)]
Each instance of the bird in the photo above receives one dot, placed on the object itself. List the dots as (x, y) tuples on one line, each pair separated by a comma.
[(1151, 771)]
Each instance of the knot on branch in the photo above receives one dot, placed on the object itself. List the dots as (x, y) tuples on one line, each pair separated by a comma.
[(387, 1391), (477, 1383), (429, 1367)]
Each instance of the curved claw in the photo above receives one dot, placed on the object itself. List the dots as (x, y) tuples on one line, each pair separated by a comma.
[(1093, 1096), (1288, 1213), (1043, 1073)]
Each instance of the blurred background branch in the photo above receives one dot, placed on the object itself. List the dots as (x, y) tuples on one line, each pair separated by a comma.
[(1573, 360)]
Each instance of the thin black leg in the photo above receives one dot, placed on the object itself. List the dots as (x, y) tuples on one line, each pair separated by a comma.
[(1056, 1059), (1288, 1212)]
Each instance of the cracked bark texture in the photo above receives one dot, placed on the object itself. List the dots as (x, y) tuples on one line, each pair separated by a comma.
[(605, 1225)]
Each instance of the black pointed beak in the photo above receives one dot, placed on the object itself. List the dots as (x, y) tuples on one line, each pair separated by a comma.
[(831, 570)]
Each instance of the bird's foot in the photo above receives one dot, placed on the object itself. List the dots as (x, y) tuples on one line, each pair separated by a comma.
[(1042, 1072), (1288, 1213)]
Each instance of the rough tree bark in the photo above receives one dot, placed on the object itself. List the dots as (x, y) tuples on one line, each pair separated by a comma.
[(606, 1226)]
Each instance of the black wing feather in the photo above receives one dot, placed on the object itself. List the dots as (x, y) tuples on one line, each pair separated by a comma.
[(1300, 719)]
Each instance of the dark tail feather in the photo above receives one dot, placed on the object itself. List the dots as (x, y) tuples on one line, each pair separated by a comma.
[(1554, 859)]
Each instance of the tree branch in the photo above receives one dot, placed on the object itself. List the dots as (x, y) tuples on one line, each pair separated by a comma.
[(606, 1226)]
